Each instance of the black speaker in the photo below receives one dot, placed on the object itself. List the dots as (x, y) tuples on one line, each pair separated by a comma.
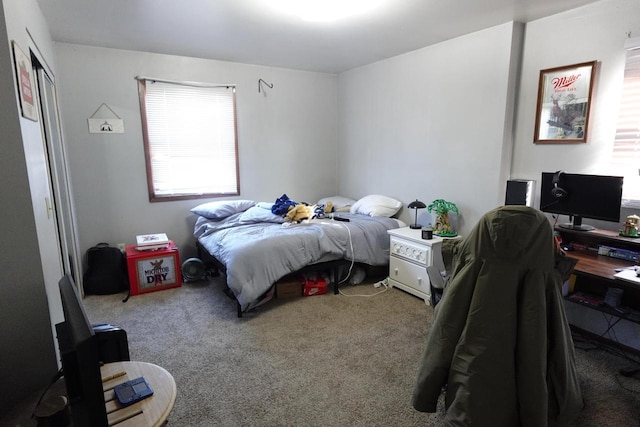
[(519, 192), (113, 345)]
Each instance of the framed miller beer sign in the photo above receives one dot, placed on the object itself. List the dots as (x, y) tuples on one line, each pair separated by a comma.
[(153, 270), (564, 101)]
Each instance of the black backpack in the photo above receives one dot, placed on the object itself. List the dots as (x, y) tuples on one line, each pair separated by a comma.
[(107, 270)]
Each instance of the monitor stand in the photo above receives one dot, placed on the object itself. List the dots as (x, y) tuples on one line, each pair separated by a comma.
[(577, 225)]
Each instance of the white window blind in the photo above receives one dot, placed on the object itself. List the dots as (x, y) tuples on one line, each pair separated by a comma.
[(626, 148), (190, 140)]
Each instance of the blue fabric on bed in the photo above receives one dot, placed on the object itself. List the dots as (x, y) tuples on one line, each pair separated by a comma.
[(282, 205)]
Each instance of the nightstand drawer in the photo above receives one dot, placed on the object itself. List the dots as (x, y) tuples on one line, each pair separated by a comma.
[(409, 274), (413, 252)]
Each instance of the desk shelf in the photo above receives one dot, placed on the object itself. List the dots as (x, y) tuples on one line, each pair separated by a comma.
[(595, 273), (600, 237), (625, 313), (600, 266)]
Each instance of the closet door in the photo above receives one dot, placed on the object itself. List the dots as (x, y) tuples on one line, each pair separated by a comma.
[(62, 200)]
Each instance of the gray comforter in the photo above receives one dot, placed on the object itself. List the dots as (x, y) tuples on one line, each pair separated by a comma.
[(257, 254)]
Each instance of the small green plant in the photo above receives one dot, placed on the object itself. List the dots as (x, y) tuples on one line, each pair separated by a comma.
[(442, 208)]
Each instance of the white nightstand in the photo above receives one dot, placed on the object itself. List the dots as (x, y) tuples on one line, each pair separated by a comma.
[(409, 257)]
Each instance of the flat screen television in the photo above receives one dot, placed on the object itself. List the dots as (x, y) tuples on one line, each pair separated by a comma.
[(581, 196), (80, 360)]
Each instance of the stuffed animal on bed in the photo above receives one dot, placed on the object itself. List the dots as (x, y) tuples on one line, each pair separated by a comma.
[(328, 208), (302, 211), (299, 213)]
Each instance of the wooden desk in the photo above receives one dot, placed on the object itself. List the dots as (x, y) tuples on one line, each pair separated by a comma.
[(595, 273), (152, 411), (589, 262)]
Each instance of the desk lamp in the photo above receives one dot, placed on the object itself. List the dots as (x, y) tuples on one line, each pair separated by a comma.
[(417, 204)]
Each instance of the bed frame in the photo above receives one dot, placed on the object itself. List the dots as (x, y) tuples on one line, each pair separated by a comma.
[(336, 270)]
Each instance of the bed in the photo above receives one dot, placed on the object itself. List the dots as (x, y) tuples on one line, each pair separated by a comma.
[(255, 247)]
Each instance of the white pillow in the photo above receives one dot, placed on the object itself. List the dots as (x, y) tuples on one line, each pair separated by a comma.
[(340, 204), (376, 205), (258, 214), (222, 208)]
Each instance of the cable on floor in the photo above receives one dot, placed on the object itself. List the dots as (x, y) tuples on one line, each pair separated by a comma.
[(381, 284)]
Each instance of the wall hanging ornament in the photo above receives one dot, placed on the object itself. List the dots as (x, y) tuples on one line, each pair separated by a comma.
[(105, 120)]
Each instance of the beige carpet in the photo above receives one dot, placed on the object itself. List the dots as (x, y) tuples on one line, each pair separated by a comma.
[(327, 360)]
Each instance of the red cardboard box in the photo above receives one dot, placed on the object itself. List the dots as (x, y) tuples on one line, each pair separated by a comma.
[(314, 286), (153, 270)]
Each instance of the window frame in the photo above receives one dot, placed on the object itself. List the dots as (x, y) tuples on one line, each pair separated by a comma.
[(626, 146), (153, 194)]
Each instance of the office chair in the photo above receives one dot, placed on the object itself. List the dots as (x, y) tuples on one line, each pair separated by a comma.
[(438, 284)]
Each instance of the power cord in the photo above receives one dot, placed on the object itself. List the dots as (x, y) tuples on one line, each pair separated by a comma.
[(610, 332), (381, 284), (352, 260), (55, 378), (579, 337)]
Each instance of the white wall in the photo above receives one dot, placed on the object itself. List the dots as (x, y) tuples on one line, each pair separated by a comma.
[(286, 137), (433, 123), (595, 32), (27, 359), (437, 122)]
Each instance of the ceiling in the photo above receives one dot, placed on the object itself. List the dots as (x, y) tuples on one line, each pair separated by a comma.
[(252, 31)]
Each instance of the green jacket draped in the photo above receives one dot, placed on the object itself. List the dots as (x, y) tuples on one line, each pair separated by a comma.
[(500, 343)]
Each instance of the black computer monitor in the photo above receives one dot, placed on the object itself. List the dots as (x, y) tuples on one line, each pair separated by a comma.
[(80, 360), (581, 196)]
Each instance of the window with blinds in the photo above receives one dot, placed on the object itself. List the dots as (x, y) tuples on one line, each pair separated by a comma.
[(626, 147), (190, 140)]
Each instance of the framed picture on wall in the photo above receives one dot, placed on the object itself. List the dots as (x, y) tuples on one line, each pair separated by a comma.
[(564, 101), (24, 74)]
